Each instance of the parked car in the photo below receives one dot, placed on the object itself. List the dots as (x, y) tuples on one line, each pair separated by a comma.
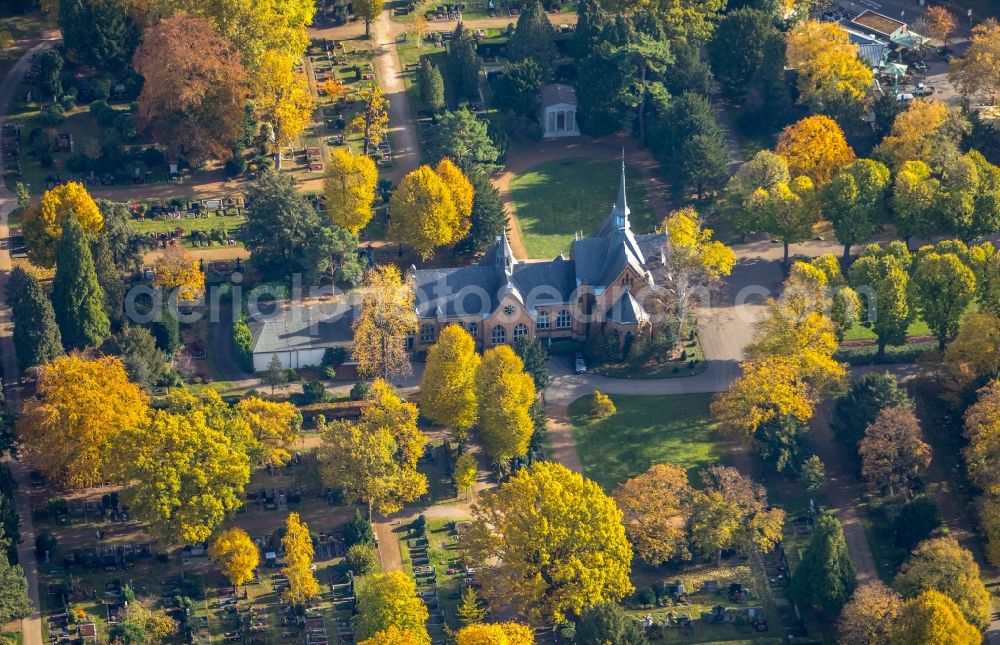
[(580, 366), (923, 90)]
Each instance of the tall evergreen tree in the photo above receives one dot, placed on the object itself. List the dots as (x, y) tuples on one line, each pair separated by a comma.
[(431, 85), (110, 279), (36, 335), (534, 358), (826, 576), (534, 39), (463, 63), (77, 297), (489, 217), (14, 600), (127, 246)]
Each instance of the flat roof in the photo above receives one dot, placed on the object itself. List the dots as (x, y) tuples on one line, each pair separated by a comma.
[(878, 23)]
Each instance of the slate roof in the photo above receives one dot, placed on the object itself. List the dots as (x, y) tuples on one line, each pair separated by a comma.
[(627, 311), (303, 326), (557, 93)]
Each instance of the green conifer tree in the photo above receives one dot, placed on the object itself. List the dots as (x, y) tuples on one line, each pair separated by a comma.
[(77, 296), (36, 335)]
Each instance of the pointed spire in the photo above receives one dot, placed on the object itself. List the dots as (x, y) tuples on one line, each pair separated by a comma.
[(620, 213), (505, 259)]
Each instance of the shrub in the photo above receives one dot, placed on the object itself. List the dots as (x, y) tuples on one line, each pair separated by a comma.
[(362, 558), (101, 88), (153, 157), (243, 341), (362, 391), (314, 392), (334, 356), (45, 542), (358, 531), (419, 525), (51, 116), (67, 101), (602, 407), (915, 521)]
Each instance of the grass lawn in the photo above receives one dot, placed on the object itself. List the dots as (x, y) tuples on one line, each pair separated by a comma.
[(646, 430), (556, 199), (917, 327)]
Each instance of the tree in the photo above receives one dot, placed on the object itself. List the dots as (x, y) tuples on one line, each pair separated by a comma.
[(655, 508), (349, 186), (285, 235), (275, 376), (940, 23), (770, 387), (813, 474), (109, 276), (533, 39), (375, 459), (681, 20), (236, 554), (870, 616), (692, 249), (488, 220), (431, 85), (943, 288), (195, 88), (281, 96), (831, 76), (883, 282), (932, 618), (177, 270), (388, 600), (495, 634), (77, 298), (14, 600), (855, 201), (787, 211), (540, 555), (641, 57), (608, 623), (982, 429), (463, 63), (737, 48), (373, 118), (892, 453), (362, 559), (385, 318), (448, 394), (825, 576), (50, 65), (43, 223), (99, 33), (126, 244), (298, 547), (975, 73), (466, 473), (368, 10), (505, 394), (470, 611), (274, 425), (704, 164), (36, 336), (424, 213), (186, 474), (392, 636), (927, 130), (676, 137), (860, 406), (535, 360), (766, 171), (463, 138), (942, 565), (461, 192), (145, 363), (518, 90), (814, 147)]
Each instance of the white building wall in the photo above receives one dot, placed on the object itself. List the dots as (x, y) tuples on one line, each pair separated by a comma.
[(289, 360)]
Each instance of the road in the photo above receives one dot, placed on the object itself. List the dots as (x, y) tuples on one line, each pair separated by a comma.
[(31, 627)]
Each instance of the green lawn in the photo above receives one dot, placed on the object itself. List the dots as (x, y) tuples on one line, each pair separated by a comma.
[(556, 199), (646, 430), (917, 327)]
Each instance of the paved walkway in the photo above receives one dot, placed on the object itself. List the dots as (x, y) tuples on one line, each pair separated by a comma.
[(31, 627)]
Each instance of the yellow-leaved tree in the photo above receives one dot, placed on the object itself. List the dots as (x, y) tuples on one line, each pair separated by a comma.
[(375, 459), (505, 393), (298, 546), (814, 147), (425, 213), (392, 636), (770, 387), (495, 634), (912, 137), (281, 96), (831, 76), (972, 357), (349, 186), (982, 460), (448, 387), (550, 544), (79, 412), (176, 269), (932, 618), (388, 600), (655, 507), (275, 426), (185, 475), (462, 194), (42, 222), (942, 564), (373, 119), (236, 555), (385, 318), (694, 247)]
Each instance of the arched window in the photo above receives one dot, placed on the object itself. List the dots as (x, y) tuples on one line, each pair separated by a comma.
[(542, 322), (520, 331), (427, 334), (474, 329), (564, 320), (499, 335)]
